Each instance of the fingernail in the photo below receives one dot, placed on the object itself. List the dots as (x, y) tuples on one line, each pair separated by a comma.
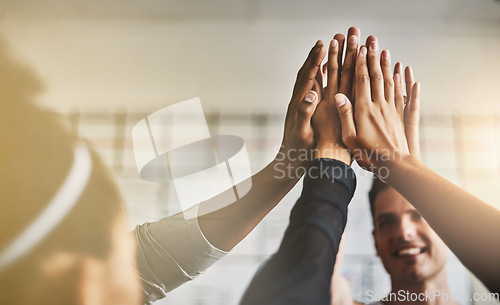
[(310, 97), (339, 100), (374, 46), (353, 39), (362, 52), (334, 43), (387, 55)]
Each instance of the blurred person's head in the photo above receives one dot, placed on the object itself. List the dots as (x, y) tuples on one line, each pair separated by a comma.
[(88, 257), (409, 248)]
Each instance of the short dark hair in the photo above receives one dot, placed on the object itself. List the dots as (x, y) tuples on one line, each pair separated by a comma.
[(378, 186)]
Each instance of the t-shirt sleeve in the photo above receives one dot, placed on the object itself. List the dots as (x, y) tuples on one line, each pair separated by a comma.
[(171, 252)]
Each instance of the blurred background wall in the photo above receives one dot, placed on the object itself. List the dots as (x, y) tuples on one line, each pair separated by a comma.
[(107, 64)]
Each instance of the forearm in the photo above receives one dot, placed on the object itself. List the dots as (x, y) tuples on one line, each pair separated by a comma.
[(226, 227), (467, 225), (340, 289), (302, 268)]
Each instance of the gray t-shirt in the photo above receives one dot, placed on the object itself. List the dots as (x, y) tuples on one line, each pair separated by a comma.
[(171, 252)]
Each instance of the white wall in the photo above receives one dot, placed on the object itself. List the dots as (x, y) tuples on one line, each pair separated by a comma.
[(245, 55)]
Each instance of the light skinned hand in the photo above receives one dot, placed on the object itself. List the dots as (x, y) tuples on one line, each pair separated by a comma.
[(380, 128)]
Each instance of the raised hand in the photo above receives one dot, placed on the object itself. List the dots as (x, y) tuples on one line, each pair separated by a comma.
[(326, 122), (298, 134), (381, 128), (382, 133)]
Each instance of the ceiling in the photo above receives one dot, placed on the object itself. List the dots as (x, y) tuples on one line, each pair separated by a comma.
[(479, 11)]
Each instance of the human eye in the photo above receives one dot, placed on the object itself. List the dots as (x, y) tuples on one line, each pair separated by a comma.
[(385, 222), (416, 216)]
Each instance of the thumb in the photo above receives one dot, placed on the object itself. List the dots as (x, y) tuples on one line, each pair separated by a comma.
[(306, 110), (344, 108)]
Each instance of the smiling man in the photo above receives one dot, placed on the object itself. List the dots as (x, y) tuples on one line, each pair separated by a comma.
[(412, 253)]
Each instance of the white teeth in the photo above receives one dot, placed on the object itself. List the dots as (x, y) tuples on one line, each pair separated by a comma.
[(409, 251)]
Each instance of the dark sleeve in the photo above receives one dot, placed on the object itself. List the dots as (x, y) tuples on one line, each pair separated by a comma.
[(300, 272)]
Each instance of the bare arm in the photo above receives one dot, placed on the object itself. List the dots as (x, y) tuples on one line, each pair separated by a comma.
[(340, 289), (226, 227), (470, 227)]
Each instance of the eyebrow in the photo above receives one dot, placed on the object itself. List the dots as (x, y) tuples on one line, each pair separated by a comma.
[(384, 215), (388, 215)]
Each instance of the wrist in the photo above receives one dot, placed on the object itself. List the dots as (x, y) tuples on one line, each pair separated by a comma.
[(397, 169), (334, 151), (294, 158), (287, 167)]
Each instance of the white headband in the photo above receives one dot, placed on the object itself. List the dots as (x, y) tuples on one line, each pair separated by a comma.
[(60, 205)]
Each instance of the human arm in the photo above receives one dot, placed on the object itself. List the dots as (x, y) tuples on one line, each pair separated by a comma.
[(340, 288), (301, 271), (226, 227), (172, 251), (465, 223)]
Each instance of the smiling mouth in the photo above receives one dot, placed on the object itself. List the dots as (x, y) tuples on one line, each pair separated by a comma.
[(410, 251)]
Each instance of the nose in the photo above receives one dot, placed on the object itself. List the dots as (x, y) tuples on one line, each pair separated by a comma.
[(407, 229)]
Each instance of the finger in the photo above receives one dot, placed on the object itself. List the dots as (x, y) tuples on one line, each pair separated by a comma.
[(340, 39), (354, 31), (347, 76), (311, 55), (369, 40), (306, 77), (319, 77), (385, 63), (412, 120), (409, 81), (376, 79), (332, 78), (318, 89), (362, 89), (305, 112), (398, 92), (324, 78), (344, 108), (309, 69), (398, 68)]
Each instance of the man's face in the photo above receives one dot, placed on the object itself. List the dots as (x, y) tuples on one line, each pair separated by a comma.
[(409, 249)]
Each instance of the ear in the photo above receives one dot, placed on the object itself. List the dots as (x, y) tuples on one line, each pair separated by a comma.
[(91, 282), (375, 242)]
